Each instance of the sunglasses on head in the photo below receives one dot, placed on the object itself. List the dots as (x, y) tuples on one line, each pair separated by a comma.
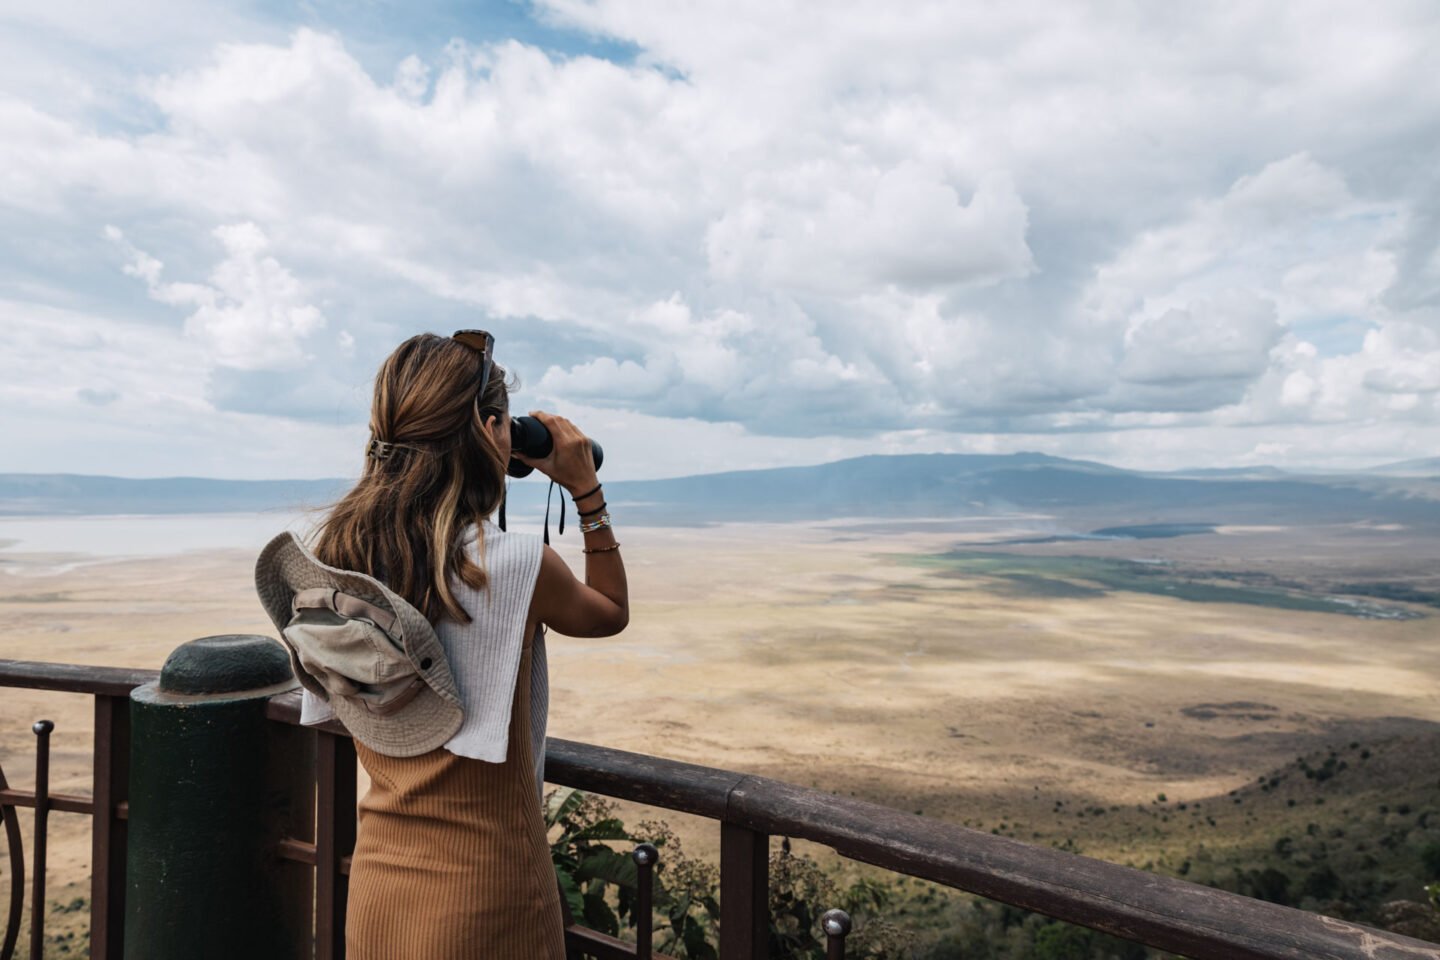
[(484, 343)]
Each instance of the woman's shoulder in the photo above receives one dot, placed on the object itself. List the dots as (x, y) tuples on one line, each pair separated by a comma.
[(494, 534), (502, 548)]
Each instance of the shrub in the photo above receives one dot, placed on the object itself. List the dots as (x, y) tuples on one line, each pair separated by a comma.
[(1322, 883), (1061, 941), (1266, 884), (1430, 859)]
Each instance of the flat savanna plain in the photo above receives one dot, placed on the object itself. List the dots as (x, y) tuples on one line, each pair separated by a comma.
[(909, 664)]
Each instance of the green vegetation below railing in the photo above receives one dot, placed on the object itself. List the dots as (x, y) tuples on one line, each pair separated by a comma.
[(904, 918), (897, 918)]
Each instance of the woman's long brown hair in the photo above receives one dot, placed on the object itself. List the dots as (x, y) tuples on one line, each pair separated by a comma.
[(404, 521)]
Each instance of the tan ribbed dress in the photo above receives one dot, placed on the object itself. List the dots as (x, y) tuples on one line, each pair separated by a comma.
[(451, 860)]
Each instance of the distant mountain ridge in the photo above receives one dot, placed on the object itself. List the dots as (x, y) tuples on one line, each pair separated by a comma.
[(937, 485), (957, 485), (1425, 467)]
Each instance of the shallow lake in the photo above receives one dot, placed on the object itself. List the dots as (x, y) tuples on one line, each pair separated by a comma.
[(152, 535)]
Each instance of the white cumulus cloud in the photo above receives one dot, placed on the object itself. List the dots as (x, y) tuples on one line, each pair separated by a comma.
[(251, 315)]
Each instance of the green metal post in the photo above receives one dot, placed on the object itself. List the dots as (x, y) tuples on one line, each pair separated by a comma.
[(214, 787)]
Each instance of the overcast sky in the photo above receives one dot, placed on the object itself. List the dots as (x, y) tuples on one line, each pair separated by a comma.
[(724, 233)]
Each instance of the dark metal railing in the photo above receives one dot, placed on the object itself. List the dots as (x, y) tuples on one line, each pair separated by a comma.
[(1199, 922), (110, 687)]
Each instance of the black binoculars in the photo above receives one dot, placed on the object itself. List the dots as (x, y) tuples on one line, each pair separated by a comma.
[(529, 437)]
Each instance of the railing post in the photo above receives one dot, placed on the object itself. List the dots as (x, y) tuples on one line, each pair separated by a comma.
[(836, 924), (645, 855), (334, 840), (744, 893), (107, 847), (214, 786), (42, 730)]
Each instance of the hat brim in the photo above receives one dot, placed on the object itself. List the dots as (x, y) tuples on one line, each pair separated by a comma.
[(423, 724), (284, 568)]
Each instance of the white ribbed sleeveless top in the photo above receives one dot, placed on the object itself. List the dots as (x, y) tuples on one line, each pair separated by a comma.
[(484, 654)]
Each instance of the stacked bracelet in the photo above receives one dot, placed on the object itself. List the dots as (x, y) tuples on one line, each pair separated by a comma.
[(599, 509), (599, 523)]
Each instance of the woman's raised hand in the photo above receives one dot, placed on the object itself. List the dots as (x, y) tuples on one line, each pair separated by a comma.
[(570, 463)]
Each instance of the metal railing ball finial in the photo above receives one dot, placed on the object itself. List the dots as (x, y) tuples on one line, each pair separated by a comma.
[(836, 924), (646, 855)]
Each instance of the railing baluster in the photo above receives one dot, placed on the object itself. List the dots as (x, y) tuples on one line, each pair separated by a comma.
[(744, 893), (17, 873), (646, 856), (42, 730), (836, 924), (334, 839), (108, 834)]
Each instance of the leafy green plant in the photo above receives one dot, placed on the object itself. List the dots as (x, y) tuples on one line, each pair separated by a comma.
[(584, 862), (599, 883), (686, 896)]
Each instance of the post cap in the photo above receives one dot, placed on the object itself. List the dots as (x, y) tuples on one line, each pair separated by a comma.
[(836, 923), (225, 664)]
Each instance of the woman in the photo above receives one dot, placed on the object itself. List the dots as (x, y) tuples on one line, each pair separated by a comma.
[(451, 859)]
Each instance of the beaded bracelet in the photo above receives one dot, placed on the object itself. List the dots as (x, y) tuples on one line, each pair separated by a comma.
[(613, 546), (599, 523)]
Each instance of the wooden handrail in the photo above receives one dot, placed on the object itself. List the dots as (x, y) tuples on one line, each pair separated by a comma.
[(73, 678)]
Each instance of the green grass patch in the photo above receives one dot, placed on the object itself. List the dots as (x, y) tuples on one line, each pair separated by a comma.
[(1090, 577)]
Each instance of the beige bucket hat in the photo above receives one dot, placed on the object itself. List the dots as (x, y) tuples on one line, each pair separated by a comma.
[(358, 645)]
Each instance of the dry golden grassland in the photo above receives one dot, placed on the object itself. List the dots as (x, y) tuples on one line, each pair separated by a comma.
[(830, 656)]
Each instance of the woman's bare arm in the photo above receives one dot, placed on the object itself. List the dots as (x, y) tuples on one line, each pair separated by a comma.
[(599, 607)]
